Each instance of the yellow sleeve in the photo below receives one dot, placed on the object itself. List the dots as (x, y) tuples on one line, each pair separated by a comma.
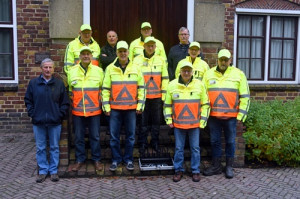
[(106, 89), (244, 98), (205, 106), (69, 58), (141, 92), (165, 80), (167, 108)]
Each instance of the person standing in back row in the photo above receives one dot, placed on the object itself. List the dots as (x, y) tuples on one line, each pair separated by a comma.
[(108, 52)]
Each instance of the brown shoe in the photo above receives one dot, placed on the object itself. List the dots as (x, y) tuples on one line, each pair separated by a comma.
[(54, 178), (77, 166), (98, 166), (196, 177), (41, 178), (177, 176)]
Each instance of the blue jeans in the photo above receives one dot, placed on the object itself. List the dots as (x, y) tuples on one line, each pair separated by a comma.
[(229, 127), (115, 123), (193, 135), (93, 124), (40, 135)]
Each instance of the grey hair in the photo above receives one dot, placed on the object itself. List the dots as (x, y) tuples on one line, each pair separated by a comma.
[(182, 29), (47, 60)]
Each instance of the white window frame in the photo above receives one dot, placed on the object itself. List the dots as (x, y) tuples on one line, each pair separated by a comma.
[(13, 26), (268, 13)]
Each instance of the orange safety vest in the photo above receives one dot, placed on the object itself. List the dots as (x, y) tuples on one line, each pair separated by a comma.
[(224, 102), (186, 113), (153, 84), (123, 95)]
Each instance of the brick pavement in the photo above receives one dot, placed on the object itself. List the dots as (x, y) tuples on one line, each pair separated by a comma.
[(17, 180)]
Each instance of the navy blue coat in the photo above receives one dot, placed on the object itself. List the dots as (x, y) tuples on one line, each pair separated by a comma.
[(47, 103)]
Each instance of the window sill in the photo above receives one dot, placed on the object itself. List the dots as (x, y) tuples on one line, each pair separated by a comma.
[(276, 87), (8, 87)]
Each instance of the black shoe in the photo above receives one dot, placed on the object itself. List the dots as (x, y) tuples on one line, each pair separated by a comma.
[(215, 168), (155, 147), (130, 166), (177, 176), (54, 178), (228, 169), (113, 166), (41, 178)]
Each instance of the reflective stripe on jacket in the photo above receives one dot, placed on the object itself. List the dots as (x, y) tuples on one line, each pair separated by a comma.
[(137, 48), (199, 67), (85, 90), (73, 51), (155, 75), (186, 106), (123, 91), (229, 93)]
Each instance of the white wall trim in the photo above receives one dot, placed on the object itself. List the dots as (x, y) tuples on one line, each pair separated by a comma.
[(86, 11), (235, 32), (267, 11), (190, 18)]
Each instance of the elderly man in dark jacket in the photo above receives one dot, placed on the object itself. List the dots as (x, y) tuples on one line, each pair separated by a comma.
[(47, 103), (108, 52)]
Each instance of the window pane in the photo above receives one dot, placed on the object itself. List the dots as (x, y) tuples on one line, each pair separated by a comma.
[(244, 48), (277, 27), (256, 49), (6, 56), (5, 40), (287, 69), (244, 66), (5, 66), (275, 66), (5, 11), (276, 48), (244, 25), (289, 28), (288, 49), (256, 66), (257, 26)]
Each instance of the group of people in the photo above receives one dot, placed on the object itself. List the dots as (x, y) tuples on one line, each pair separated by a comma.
[(126, 82)]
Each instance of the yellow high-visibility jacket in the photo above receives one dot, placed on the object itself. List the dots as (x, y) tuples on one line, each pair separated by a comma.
[(186, 106), (137, 48), (123, 91), (229, 93), (73, 51), (155, 73), (85, 89), (199, 67)]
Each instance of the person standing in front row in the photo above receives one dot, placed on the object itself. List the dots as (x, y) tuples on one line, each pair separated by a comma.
[(47, 104), (123, 97), (186, 109), (85, 81), (229, 96)]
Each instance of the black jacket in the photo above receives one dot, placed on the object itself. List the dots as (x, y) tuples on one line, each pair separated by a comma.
[(47, 103), (110, 53)]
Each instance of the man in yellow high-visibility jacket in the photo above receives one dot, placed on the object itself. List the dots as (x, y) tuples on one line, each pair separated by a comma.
[(229, 96), (85, 81), (73, 49), (154, 68), (137, 46), (186, 109), (123, 97)]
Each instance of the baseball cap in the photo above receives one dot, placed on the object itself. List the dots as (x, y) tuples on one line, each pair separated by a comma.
[(85, 27), (224, 53), (184, 63), (122, 44), (85, 48), (194, 43), (145, 24), (148, 39)]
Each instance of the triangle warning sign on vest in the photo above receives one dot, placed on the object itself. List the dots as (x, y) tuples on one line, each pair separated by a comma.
[(186, 114), (221, 101), (87, 99), (124, 95), (151, 85)]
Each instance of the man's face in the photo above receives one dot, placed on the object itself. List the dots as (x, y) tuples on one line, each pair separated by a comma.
[(186, 73), (150, 47), (112, 38), (86, 36), (223, 63), (184, 37), (47, 70), (122, 54), (146, 31), (194, 52), (86, 57)]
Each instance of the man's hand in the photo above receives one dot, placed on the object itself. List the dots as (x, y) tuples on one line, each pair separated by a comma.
[(139, 112), (104, 55), (171, 125), (107, 113)]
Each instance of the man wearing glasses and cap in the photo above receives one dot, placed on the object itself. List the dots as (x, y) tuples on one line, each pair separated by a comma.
[(137, 46), (73, 49)]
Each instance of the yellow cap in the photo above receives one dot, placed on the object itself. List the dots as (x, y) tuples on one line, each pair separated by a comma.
[(194, 43), (148, 39), (145, 24), (84, 48), (224, 53), (122, 44), (85, 27), (184, 63)]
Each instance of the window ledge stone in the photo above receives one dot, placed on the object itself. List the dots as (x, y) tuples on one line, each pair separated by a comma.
[(275, 87), (8, 87)]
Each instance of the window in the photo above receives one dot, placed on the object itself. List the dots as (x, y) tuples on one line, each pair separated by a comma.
[(266, 47), (8, 65)]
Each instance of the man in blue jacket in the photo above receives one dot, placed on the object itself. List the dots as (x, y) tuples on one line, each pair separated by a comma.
[(47, 103)]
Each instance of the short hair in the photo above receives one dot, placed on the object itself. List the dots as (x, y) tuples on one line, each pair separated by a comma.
[(47, 60), (112, 31), (182, 29)]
